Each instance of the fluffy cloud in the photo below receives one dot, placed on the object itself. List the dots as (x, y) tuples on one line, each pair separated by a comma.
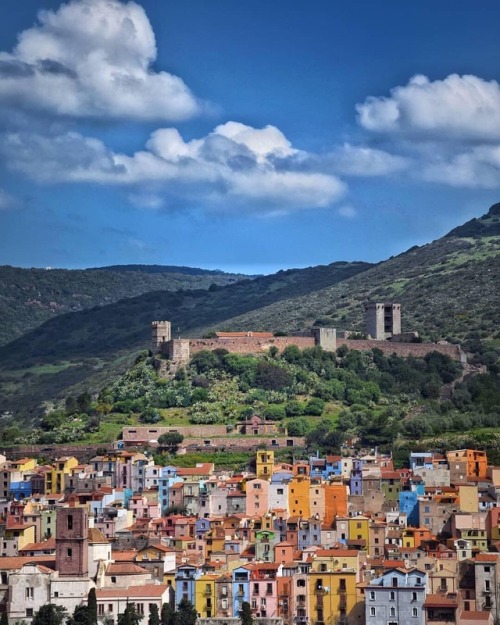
[(477, 168), (353, 160), (450, 127), (456, 108), (92, 58), (233, 165)]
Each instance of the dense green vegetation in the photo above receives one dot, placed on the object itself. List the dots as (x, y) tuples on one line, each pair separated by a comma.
[(447, 290), (364, 397)]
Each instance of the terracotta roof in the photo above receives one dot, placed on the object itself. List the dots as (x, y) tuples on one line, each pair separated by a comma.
[(486, 557), (46, 545), (124, 556), (125, 568), (474, 616), (238, 335), (132, 592), (13, 563), (96, 536), (440, 601)]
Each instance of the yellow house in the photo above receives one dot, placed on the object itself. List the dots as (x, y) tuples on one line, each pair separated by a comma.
[(298, 497), (16, 537), (359, 530), (23, 464), (264, 464), (330, 560), (468, 497), (204, 599), (54, 480), (332, 595)]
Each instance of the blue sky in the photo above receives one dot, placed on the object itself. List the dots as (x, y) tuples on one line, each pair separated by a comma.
[(243, 135)]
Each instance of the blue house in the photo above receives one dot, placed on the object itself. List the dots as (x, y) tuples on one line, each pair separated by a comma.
[(185, 577), (241, 588), (408, 503)]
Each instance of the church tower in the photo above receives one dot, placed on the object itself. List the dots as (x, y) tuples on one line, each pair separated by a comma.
[(72, 544)]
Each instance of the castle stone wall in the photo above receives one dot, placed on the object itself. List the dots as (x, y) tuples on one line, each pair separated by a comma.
[(251, 345), (419, 350)]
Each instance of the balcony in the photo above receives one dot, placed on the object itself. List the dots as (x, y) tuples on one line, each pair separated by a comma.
[(207, 592)]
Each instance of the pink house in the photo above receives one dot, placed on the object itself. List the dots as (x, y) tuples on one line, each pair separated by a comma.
[(257, 497)]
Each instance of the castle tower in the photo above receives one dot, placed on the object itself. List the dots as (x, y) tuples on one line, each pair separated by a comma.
[(72, 545), (383, 320), (161, 332)]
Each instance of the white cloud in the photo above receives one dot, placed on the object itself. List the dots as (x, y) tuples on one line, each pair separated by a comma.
[(450, 127), (465, 108), (92, 58), (235, 165), (477, 168), (353, 160)]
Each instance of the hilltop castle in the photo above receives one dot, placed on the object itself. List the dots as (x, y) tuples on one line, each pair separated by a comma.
[(383, 323)]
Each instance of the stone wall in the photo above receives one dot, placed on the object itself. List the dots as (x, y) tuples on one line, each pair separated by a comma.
[(246, 442), (251, 345), (418, 350)]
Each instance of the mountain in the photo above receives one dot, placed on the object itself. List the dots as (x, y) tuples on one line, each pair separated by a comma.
[(75, 347), (28, 297), (447, 290)]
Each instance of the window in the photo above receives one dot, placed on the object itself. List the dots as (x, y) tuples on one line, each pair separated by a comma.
[(414, 612), (140, 608), (486, 569), (70, 521), (113, 579), (100, 609), (29, 612), (110, 607), (30, 592), (372, 611), (413, 596), (69, 553), (372, 595), (392, 612), (392, 596)]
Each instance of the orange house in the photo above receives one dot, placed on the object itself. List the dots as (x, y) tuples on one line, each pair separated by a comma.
[(335, 503)]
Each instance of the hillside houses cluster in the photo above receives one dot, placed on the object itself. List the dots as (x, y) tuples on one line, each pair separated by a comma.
[(329, 540)]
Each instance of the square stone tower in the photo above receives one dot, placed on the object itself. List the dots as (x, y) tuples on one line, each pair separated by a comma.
[(383, 320), (72, 544), (161, 332)]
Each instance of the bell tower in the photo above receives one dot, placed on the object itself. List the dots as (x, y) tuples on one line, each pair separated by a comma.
[(72, 544)]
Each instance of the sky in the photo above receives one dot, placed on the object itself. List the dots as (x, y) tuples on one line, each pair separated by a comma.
[(243, 135)]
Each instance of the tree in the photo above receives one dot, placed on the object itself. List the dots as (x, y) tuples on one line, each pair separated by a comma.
[(129, 616), (49, 614), (246, 617), (168, 616), (154, 616), (81, 616), (186, 613), (170, 441), (92, 605)]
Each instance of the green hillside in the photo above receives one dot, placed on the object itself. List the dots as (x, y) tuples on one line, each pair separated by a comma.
[(75, 347), (28, 297), (448, 289)]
